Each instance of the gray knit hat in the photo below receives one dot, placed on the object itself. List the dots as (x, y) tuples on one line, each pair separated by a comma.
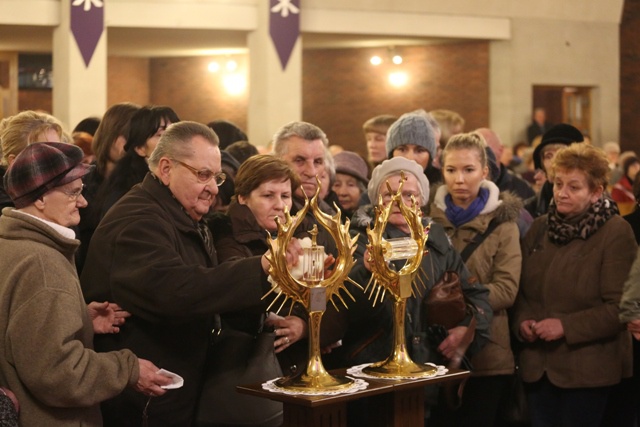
[(411, 128), (393, 167)]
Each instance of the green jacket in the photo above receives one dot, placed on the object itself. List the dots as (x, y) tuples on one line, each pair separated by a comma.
[(46, 354), (630, 302)]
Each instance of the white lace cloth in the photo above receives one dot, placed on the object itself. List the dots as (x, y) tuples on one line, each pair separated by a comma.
[(357, 385), (356, 371)]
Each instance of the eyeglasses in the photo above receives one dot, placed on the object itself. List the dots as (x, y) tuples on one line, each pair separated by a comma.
[(406, 196), (204, 175), (73, 195)]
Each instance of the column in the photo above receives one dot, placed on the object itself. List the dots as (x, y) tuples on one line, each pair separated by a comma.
[(275, 96), (79, 91)]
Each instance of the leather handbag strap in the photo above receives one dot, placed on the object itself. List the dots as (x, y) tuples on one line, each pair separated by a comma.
[(477, 240)]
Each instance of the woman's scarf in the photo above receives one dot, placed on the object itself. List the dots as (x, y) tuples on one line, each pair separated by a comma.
[(458, 216), (584, 226)]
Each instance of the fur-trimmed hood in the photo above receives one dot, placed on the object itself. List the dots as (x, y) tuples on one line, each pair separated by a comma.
[(506, 205), (362, 217)]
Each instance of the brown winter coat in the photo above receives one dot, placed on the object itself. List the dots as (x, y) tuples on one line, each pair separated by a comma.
[(581, 284), (496, 264), (47, 358)]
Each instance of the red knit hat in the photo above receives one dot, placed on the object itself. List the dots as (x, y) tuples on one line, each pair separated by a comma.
[(41, 167)]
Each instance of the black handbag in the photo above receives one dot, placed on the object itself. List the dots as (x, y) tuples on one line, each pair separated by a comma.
[(514, 408), (237, 358)]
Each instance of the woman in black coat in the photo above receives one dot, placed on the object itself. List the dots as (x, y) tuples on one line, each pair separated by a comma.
[(145, 129)]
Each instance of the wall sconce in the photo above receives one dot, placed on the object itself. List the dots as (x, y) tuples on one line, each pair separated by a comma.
[(231, 65), (398, 78), (392, 55), (234, 82), (213, 67)]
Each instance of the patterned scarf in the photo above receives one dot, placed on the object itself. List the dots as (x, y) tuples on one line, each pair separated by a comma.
[(458, 216), (562, 232), (8, 414)]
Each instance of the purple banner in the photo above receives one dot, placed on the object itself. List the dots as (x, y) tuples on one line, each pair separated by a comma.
[(87, 25), (284, 27)]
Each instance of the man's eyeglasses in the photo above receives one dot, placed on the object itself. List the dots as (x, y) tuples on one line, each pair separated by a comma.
[(204, 175), (73, 195)]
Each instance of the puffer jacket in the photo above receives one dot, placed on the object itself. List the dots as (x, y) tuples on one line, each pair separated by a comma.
[(496, 263)]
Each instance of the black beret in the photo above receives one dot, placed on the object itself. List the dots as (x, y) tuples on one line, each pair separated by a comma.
[(558, 134)]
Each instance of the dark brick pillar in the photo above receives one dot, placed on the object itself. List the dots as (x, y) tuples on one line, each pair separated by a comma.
[(630, 76)]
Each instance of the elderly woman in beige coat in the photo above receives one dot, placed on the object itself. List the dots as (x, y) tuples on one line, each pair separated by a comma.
[(468, 206), (575, 262), (47, 356)]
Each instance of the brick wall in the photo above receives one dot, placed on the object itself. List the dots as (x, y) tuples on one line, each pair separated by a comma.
[(4, 74), (186, 85), (630, 77), (341, 89), (127, 80), (35, 99)]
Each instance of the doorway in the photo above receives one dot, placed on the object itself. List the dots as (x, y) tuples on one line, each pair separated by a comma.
[(565, 104)]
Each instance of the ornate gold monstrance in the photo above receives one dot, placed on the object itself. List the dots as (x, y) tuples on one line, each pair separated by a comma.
[(313, 290), (400, 284)]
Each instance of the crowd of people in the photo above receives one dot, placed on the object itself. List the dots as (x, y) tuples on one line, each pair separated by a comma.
[(130, 242)]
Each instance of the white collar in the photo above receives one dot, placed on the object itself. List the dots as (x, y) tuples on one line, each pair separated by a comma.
[(62, 230), (492, 203)]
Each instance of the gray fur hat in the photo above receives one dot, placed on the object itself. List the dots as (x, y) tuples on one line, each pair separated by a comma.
[(411, 128)]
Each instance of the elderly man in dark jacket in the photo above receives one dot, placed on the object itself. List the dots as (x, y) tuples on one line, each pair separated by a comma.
[(153, 255)]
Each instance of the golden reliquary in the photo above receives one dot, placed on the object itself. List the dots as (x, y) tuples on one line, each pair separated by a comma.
[(399, 284), (312, 290)]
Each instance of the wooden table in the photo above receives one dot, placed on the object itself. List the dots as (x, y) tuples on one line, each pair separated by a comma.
[(397, 403)]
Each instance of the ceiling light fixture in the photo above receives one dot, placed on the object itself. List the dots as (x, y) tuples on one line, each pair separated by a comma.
[(231, 65), (213, 67)]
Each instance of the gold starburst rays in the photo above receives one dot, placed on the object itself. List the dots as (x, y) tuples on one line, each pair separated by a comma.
[(290, 288), (400, 284)]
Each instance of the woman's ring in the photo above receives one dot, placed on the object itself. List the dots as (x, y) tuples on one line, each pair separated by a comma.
[(287, 340)]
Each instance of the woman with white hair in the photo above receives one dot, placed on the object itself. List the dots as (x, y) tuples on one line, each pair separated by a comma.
[(368, 335), (48, 359), (19, 131)]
